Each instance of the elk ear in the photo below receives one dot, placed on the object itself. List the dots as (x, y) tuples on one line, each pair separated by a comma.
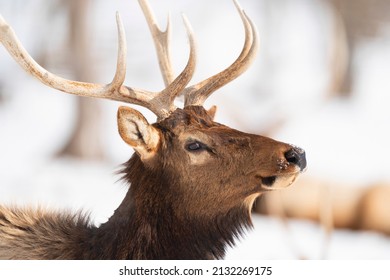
[(137, 132), (212, 111)]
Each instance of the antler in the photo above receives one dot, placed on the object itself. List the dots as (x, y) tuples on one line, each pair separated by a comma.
[(161, 103)]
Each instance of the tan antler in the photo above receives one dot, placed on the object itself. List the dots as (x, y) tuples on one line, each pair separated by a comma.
[(161, 103)]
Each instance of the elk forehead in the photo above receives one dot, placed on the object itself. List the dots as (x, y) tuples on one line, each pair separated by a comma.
[(196, 122), (190, 116), (189, 130)]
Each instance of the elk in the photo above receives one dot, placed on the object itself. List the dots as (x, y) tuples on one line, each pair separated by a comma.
[(192, 180)]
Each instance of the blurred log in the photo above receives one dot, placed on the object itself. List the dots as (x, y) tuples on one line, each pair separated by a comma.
[(359, 208), (374, 210)]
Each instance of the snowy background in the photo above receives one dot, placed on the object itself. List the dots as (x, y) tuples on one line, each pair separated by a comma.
[(346, 139)]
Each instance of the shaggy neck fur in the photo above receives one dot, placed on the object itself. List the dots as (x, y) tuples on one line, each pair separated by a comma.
[(146, 225)]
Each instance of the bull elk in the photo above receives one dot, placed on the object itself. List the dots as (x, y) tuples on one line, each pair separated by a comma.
[(192, 180)]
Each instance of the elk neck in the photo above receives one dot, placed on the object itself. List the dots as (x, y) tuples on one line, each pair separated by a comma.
[(148, 225)]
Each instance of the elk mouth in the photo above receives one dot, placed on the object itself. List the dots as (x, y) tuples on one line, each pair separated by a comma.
[(278, 181), (268, 181)]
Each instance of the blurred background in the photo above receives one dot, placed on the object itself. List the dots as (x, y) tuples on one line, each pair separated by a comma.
[(320, 81)]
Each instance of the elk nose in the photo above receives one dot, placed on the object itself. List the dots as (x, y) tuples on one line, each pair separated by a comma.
[(296, 156)]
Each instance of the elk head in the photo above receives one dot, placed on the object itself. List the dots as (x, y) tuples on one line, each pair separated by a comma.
[(196, 166), (213, 167)]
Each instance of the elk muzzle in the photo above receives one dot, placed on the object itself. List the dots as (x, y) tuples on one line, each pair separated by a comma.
[(291, 163)]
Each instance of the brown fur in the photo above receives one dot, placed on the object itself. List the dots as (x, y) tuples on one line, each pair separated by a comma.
[(39, 234)]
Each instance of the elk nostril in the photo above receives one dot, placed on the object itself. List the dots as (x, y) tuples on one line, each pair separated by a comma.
[(296, 156), (291, 156)]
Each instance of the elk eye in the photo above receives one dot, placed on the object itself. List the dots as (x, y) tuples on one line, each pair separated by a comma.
[(195, 146)]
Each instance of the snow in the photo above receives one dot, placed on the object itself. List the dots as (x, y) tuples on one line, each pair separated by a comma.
[(345, 140)]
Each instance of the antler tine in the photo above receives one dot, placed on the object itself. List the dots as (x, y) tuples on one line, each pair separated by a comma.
[(197, 94), (120, 73), (161, 41)]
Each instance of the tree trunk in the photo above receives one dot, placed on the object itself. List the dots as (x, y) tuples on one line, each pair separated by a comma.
[(85, 141)]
